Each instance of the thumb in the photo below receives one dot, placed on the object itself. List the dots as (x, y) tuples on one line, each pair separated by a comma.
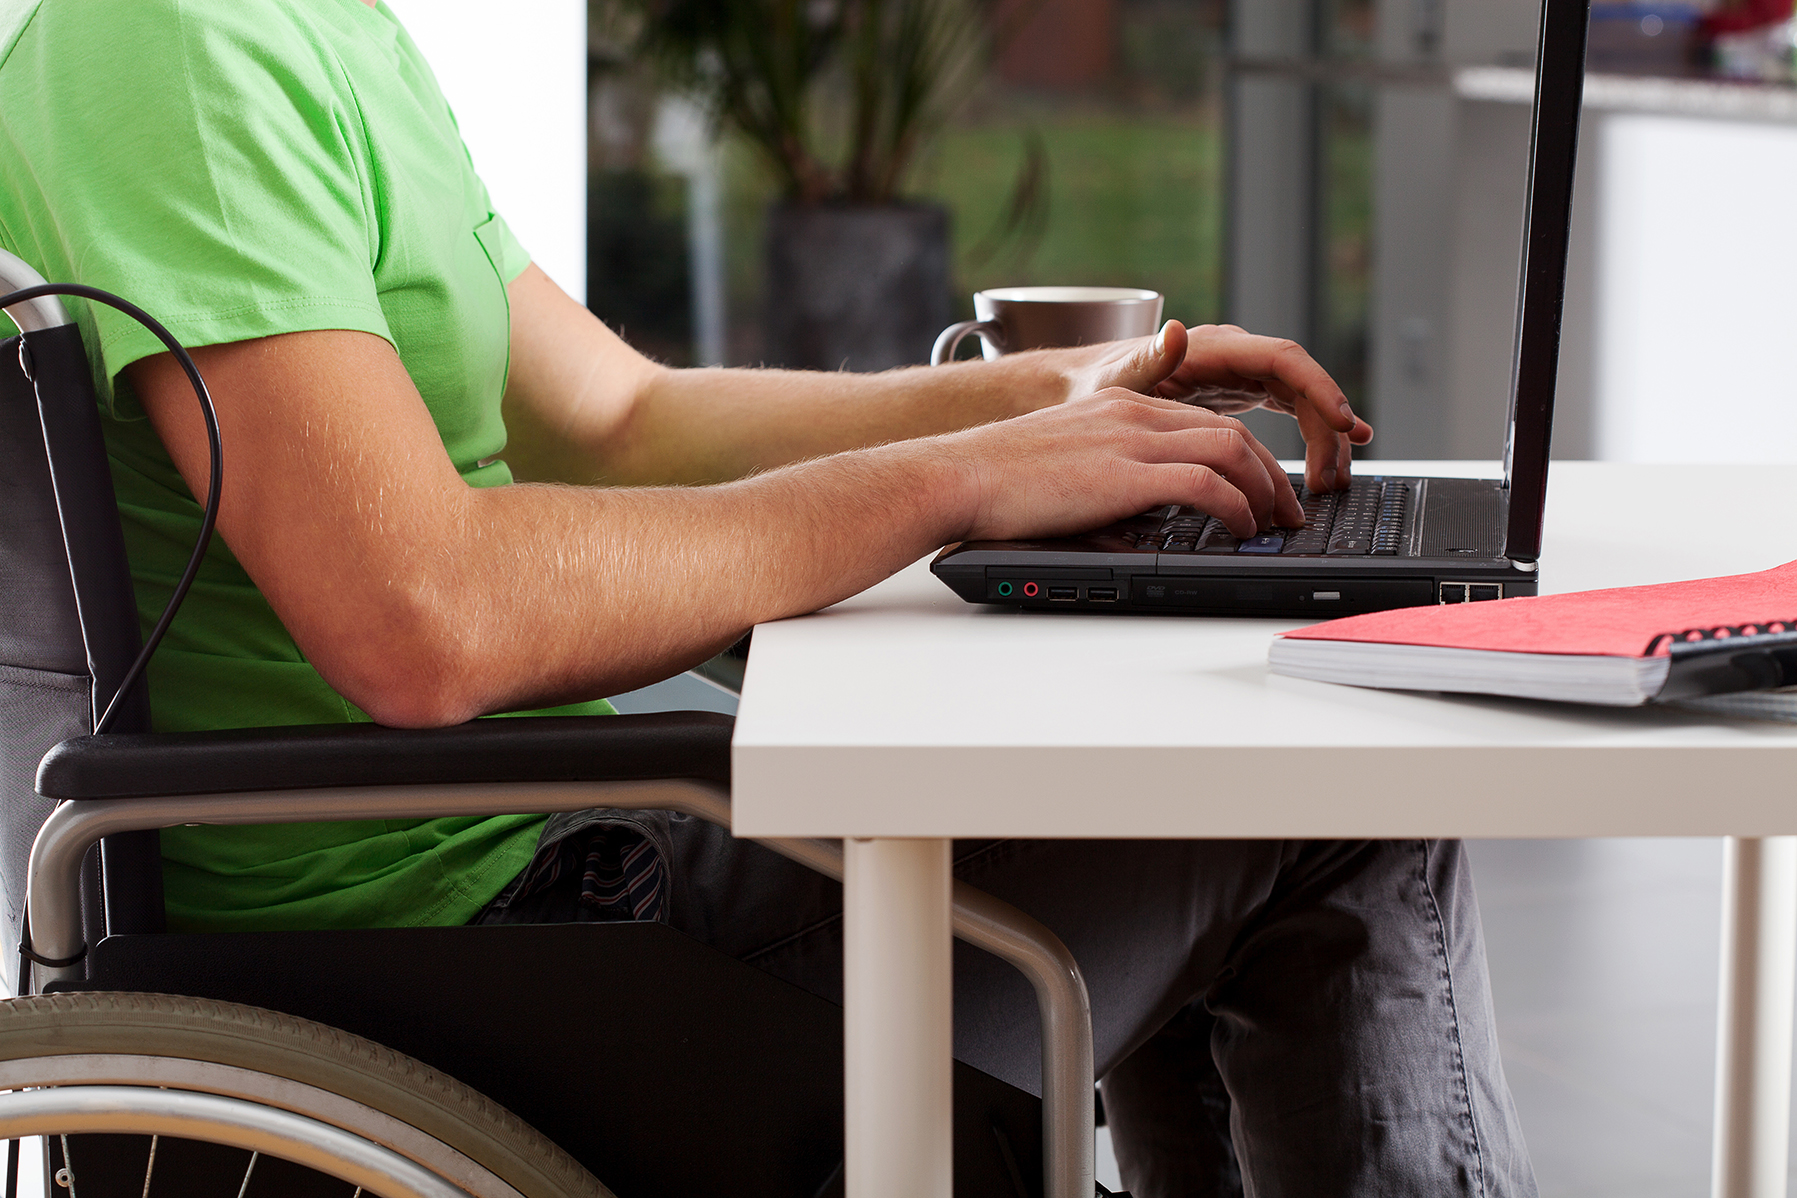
[(1152, 361)]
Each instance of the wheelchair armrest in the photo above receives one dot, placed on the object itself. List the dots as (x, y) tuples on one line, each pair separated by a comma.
[(617, 748)]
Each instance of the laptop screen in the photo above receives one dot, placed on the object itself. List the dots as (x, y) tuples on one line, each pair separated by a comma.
[(1554, 145)]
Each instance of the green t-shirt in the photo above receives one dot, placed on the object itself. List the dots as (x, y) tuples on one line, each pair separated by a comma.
[(242, 168)]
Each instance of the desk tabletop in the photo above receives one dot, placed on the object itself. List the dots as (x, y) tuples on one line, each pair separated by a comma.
[(906, 712)]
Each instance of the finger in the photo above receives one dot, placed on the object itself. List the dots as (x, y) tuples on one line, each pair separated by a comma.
[(1326, 403), (1163, 404), (1175, 413), (1205, 489), (1285, 511), (1151, 362), (1243, 396), (1162, 414), (1293, 379), (1327, 458), (1328, 455), (1229, 452), (1283, 399)]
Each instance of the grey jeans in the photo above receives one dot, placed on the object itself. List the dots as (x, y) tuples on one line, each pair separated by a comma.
[(1278, 1019)]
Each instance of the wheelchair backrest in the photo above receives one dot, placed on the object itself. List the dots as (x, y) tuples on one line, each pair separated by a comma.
[(68, 617)]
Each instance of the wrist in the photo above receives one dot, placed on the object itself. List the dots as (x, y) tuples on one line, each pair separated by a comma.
[(1060, 375), (1075, 372), (1029, 380), (934, 487), (951, 494)]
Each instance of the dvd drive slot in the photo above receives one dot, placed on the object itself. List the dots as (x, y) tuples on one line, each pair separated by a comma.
[(1285, 595)]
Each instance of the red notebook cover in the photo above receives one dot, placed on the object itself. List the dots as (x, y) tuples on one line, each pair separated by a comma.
[(1620, 622)]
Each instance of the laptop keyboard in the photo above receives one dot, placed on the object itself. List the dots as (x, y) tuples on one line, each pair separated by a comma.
[(1368, 519)]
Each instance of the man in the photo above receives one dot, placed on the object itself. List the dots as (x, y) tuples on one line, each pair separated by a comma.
[(281, 183)]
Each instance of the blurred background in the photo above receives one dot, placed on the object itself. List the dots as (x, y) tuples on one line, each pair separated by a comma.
[(1349, 173), (1345, 172)]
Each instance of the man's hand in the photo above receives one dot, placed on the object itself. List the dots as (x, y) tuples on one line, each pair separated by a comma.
[(1225, 369), (1073, 467)]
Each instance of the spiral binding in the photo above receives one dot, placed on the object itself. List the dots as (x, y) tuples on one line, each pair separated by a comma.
[(1720, 632)]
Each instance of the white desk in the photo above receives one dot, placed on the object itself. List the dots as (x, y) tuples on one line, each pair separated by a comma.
[(905, 717)]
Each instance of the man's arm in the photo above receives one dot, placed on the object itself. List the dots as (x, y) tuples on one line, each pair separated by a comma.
[(425, 601), (643, 423)]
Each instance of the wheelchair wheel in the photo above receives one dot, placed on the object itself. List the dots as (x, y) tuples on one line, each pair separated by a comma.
[(155, 1094)]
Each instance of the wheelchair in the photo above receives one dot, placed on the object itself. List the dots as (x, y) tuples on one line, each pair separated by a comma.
[(496, 1062)]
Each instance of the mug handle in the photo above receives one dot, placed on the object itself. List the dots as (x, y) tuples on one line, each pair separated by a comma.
[(946, 344)]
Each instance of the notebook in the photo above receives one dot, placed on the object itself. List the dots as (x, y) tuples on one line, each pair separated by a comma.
[(1623, 647), (1390, 541)]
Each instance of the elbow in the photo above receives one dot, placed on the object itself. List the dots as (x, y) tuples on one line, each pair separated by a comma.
[(402, 702), (405, 667), (410, 691)]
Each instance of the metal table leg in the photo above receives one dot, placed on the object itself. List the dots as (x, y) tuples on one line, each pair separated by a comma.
[(1753, 1025), (898, 1028)]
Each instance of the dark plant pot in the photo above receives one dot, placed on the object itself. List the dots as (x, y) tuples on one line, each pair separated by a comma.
[(855, 287)]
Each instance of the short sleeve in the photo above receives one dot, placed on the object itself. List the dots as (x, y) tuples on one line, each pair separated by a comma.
[(212, 170), (509, 257)]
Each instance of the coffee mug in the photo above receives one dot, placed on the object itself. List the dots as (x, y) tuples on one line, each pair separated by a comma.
[(1014, 318)]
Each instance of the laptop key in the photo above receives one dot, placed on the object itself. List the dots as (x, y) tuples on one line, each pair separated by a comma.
[(1357, 519), (1265, 543), (1217, 538), (1389, 533)]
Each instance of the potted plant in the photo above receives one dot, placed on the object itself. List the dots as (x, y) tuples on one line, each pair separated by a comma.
[(839, 97)]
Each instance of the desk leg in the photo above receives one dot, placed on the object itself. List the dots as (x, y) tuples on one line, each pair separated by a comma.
[(1753, 1034), (898, 1029)]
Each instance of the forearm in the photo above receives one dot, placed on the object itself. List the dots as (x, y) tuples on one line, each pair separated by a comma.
[(697, 426), (638, 423), (541, 595)]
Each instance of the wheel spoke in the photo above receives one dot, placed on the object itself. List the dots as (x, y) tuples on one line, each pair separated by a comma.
[(245, 1187), (65, 1176), (150, 1168)]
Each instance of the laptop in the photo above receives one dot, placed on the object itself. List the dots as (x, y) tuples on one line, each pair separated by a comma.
[(1387, 542)]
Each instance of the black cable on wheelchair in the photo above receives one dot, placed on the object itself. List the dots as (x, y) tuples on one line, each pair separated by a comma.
[(216, 464)]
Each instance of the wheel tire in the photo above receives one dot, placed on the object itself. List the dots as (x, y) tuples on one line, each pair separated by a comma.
[(145, 1037)]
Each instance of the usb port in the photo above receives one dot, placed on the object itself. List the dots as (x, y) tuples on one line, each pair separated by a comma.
[(1484, 590), (1102, 594), (1063, 594), (1453, 592)]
